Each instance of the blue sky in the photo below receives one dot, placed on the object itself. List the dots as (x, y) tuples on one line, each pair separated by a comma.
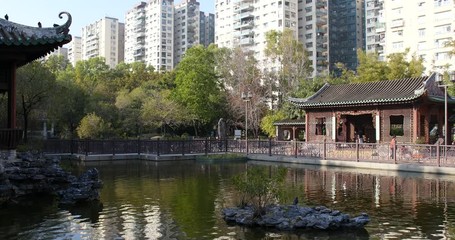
[(84, 12)]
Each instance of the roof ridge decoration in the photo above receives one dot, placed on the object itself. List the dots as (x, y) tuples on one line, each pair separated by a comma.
[(12, 33), (65, 28)]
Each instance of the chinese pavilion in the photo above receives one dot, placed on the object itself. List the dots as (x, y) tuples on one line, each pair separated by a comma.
[(412, 109), (19, 45)]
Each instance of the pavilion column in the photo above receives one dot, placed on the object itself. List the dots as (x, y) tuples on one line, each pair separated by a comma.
[(11, 74)]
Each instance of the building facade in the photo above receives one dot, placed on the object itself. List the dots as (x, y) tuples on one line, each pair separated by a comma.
[(187, 27), (75, 50), (207, 28), (411, 109), (314, 33), (346, 33), (159, 33), (424, 27), (103, 39), (244, 23)]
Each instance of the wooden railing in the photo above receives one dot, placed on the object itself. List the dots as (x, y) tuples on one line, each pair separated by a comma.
[(424, 154), (10, 138)]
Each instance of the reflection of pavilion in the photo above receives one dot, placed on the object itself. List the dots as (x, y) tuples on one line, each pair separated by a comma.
[(373, 112), (20, 45)]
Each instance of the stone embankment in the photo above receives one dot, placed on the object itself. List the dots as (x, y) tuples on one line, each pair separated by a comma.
[(32, 175), (295, 217)]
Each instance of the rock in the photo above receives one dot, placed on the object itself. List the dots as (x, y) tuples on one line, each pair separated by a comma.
[(296, 217), (84, 189), (37, 175)]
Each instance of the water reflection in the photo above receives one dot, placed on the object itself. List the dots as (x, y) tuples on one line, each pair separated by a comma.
[(183, 200)]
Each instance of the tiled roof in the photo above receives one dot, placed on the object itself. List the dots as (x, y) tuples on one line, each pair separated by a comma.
[(293, 122), (31, 42), (381, 92)]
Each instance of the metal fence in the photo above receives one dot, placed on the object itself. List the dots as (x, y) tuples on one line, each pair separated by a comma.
[(424, 154)]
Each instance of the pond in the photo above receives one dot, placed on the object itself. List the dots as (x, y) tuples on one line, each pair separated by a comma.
[(183, 200)]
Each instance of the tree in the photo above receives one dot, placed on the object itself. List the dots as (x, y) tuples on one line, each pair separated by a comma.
[(35, 83), (259, 188), (69, 103), (399, 67), (197, 86), (240, 74), (290, 59), (159, 110), (92, 126), (370, 68), (268, 120)]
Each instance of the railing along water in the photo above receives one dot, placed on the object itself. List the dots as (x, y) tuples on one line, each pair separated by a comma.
[(424, 154)]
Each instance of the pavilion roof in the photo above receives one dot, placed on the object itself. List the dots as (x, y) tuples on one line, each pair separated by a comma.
[(23, 44), (385, 92)]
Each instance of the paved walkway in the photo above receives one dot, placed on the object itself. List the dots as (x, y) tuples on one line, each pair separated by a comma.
[(407, 167)]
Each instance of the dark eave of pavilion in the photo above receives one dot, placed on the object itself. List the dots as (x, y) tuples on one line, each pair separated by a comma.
[(22, 44), (387, 92), (290, 122)]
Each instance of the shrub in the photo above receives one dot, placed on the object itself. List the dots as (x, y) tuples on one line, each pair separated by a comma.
[(259, 188)]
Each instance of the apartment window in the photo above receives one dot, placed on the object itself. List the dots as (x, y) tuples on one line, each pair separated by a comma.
[(421, 45), (442, 56), (308, 36), (309, 18), (320, 126), (397, 45), (422, 32), (396, 125), (443, 29), (441, 3), (421, 20), (443, 16), (309, 26), (308, 9)]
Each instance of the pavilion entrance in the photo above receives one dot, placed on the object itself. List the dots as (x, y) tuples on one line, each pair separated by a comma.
[(356, 127)]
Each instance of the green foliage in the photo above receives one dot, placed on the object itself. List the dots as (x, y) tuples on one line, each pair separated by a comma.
[(197, 87), (268, 120), (283, 48), (92, 126), (370, 68), (399, 67), (35, 85), (260, 186)]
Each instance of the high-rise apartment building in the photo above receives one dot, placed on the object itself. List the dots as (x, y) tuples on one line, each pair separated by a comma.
[(75, 50), (422, 26), (375, 27), (207, 28), (149, 34), (244, 23), (103, 39), (346, 32), (313, 33), (187, 20), (159, 33)]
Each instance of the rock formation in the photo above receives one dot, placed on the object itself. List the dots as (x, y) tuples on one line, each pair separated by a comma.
[(295, 217), (33, 174)]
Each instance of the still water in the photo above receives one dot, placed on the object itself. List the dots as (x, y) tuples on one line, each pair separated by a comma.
[(183, 200)]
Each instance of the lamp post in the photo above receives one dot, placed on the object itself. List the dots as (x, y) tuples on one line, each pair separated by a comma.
[(246, 96), (440, 80)]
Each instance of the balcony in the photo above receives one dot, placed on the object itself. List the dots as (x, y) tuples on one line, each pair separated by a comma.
[(244, 15), (10, 138), (244, 24), (246, 41), (244, 7)]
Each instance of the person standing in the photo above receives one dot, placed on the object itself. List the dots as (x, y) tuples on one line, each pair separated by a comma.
[(393, 147)]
